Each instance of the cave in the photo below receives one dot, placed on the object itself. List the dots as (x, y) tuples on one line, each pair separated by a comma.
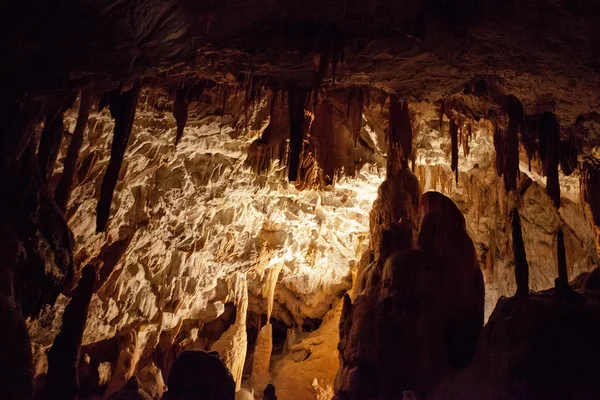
[(328, 200)]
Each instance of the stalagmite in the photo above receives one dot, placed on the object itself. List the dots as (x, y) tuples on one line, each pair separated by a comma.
[(180, 112), (296, 102), (126, 365), (62, 193), (264, 340), (521, 265), (232, 345), (122, 108), (418, 323), (62, 382), (50, 143), (562, 282)]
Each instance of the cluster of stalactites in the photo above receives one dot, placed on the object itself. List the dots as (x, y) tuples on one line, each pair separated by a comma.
[(459, 136)]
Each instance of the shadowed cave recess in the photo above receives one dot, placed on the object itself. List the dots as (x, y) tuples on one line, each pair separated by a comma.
[(338, 199)]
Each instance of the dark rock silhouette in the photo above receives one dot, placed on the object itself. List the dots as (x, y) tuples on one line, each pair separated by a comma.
[(269, 393), (200, 375), (16, 369), (533, 348), (62, 381), (420, 320), (131, 391)]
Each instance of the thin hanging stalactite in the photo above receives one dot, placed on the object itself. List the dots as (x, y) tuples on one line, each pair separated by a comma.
[(50, 143), (400, 132), (499, 147), (180, 112), (122, 108), (454, 142), (62, 381), (355, 111), (296, 104), (442, 112), (521, 265), (549, 147), (511, 155), (62, 193)]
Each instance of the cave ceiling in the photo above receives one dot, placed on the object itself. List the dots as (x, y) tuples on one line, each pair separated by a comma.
[(545, 55)]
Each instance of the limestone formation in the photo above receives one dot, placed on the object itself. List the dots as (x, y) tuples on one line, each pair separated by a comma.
[(421, 320), (62, 194), (122, 108), (126, 362), (232, 345)]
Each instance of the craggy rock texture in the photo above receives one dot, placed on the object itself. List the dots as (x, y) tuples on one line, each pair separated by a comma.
[(419, 317), (184, 220), (535, 347)]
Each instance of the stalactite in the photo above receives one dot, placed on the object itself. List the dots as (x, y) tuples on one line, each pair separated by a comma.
[(454, 142), (441, 113), (569, 151), (50, 143), (122, 108), (499, 147), (591, 189), (62, 382), (355, 111), (327, 151), (296, 103), (549, 146), (400, 134), (511, 155), (62, 193), (180, 112), (521, 265)]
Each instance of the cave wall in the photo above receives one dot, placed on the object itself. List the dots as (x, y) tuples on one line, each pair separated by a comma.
[(187, 218)]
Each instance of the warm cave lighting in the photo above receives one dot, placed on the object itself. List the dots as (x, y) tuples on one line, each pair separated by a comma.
[(317, 200)]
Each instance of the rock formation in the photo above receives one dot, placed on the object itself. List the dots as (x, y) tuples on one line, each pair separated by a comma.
[(200, 375), (232, 345), (62, 381), (553, 358), (420, 320)]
